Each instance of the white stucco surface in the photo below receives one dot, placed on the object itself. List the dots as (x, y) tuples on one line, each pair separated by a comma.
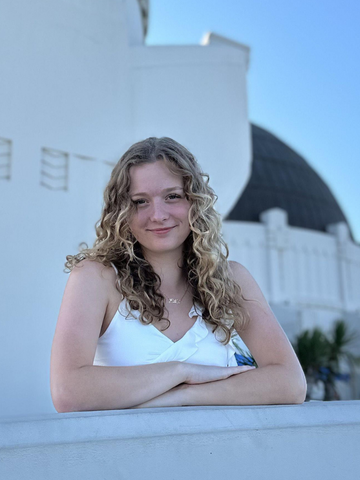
[(78, 86), (318, 271), (312, 440)]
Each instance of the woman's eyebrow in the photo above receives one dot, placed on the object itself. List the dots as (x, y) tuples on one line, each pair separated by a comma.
[(162, 191)]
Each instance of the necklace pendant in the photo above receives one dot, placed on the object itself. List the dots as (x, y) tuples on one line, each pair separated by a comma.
[(174, 300)]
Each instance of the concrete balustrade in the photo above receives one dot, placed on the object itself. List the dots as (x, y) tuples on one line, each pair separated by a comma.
[(314, 440)]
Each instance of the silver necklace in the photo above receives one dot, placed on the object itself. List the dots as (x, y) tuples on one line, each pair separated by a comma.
[(178, 300)]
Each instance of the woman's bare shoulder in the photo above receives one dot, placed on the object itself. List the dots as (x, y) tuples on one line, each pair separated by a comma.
[(94, 270), (237, 270), (249, 287)]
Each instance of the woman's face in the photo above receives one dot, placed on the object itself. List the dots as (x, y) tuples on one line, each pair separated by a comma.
[(160, 223)]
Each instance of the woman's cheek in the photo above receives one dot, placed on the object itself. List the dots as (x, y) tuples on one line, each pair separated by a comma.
[(141, 218)]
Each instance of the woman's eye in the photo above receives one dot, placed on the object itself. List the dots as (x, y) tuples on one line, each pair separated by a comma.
[(141, 201)]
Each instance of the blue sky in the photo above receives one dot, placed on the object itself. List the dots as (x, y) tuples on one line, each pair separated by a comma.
[(304, 75)]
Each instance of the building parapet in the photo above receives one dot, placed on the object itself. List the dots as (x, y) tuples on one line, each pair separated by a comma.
[(312, 440)]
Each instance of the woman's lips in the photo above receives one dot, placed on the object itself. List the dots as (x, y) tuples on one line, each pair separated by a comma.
[(162, 230)]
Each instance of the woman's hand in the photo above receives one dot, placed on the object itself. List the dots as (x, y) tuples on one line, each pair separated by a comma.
[(195, 373)]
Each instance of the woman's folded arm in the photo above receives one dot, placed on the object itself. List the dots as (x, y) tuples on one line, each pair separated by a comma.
[(270, 385), (76, 384), (273, 384), (94, 387)]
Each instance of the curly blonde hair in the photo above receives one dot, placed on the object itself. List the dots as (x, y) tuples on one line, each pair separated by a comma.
[(205, 253)]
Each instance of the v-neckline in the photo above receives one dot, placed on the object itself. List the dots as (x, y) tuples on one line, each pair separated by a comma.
[(192, 310), (163, 334)]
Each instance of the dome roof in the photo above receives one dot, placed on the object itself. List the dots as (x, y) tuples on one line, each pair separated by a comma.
[(282, 178)]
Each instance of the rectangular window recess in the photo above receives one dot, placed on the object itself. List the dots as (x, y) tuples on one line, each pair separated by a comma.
[(54, 177), (84, 157), (5, 158), (50, 165), (54, 173), (51, 188)]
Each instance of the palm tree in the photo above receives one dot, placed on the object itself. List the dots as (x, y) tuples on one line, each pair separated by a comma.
[(311, 347), (320, 356), (340, 339)]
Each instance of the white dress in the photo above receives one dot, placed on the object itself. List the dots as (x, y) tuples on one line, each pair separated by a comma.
[(128, 342)]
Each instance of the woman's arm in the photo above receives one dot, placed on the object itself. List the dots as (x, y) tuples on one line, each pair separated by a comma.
[(279, 378), (76, 384), (262, 386), (94, 387), (269, 385), (279, 368)]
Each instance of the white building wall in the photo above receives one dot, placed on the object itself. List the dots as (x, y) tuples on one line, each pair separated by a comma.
[(77, 88), (302, 269), (203, 104), (295, 266), (308, 277)]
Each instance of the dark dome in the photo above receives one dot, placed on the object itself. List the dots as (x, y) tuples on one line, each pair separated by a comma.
[(282, 178)]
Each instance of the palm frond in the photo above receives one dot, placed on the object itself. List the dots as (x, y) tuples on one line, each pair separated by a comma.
[(320, 354)]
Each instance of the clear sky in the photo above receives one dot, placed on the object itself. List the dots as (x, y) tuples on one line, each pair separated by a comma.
[(303, 79)]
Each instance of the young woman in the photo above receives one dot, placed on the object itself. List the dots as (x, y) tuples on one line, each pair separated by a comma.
[(149, 312)]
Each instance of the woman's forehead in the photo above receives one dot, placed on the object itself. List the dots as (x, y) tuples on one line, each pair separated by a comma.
[(153, 176)]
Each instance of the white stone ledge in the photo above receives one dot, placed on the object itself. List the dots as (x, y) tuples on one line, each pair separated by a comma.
[(107, 425), (318, 439)]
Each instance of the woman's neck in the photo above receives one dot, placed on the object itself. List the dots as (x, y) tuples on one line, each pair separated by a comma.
[(167, 267)]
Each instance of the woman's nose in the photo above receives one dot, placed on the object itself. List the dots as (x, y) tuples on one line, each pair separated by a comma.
[(159, 212)]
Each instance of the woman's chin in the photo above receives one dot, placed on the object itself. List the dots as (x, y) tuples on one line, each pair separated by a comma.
[(163, 248)]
